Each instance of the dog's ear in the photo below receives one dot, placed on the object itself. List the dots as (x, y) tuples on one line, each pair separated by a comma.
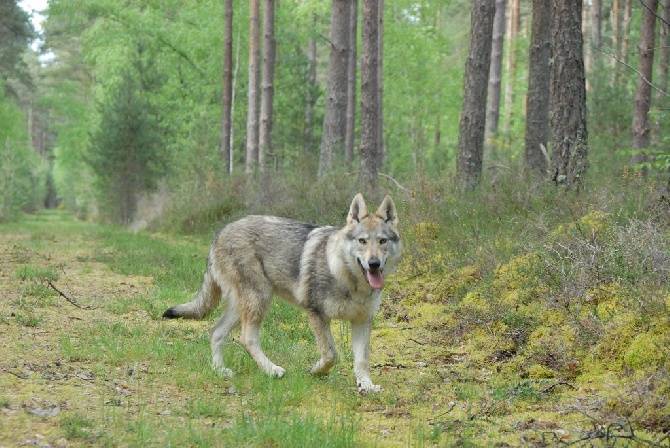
[(358, 210), (387, 211)]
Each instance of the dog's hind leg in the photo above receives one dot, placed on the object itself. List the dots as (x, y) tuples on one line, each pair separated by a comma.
[(252, 305), (228, 320)]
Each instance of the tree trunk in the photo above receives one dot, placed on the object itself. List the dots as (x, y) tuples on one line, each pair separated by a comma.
[(616, 38), (664, 46), (641, 125), (253, 97), (568, 95), (369, 146), (267, 98), (495, 77), (308, 143), (351, 87), (625, 25), (227, 120), (380, 85), (596, 26), (473, 112), (539, 82), (334, 122), (512, 34)]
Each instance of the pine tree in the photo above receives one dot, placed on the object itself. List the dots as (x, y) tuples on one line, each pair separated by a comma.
[(126, 152)]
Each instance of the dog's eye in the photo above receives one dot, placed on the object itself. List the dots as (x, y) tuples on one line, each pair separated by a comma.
[(362, 240), (382, 241)]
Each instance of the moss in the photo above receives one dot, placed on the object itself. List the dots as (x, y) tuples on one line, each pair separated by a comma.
[(537, 371), (645, 350), (475, 301), (613, 344), (595, 222), (514, 274)]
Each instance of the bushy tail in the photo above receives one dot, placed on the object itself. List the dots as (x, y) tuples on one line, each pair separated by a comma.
[(206, 300)]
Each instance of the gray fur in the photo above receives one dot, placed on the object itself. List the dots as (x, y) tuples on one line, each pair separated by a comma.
[(330, 272)]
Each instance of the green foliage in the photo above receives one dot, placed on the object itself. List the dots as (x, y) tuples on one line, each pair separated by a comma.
[(22, 171), (15, 32), (127, 152)]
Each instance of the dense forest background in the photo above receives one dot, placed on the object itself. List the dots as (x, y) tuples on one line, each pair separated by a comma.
[(115, 101)]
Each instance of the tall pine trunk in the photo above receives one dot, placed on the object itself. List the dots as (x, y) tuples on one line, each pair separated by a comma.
[(380, 85), (514, 20), (227, 100), (253, 96), (641, 125), (473, 112), (334, 122), (369, 147), (568, 95), (351, 87), (267, 96), (664, 47), (495, 78), (539, 80), (310, 100)]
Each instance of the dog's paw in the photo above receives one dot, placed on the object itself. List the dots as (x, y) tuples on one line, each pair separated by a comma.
[(367, 387), (223, 371), (277, 371)]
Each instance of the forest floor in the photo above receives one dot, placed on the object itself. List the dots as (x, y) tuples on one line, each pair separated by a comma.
[(87, 360)]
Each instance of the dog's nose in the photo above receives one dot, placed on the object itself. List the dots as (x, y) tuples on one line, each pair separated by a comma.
[(374, 264)]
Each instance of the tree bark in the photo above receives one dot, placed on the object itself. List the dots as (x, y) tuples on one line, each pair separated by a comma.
[(253, 97), (568, 95), (664, 46), (227, 100), (512, 34), (641, 125), (495, 77), (380, 84), (334, 122), (369, 147), (267, 96), (616, 38), (351, 87), (539, 81), (308, 142), (473, 112)]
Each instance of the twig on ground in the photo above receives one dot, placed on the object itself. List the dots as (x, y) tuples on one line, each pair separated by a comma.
[(63, 295)]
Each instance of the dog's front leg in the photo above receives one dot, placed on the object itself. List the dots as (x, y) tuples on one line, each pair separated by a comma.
[(361, 345), (324, 341)]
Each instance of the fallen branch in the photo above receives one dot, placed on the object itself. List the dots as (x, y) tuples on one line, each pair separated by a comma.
[(63, 295)]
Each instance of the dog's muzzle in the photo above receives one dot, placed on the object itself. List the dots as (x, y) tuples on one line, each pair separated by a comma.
[(373, 272)]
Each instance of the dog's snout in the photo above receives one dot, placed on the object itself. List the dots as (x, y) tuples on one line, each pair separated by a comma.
[(374, 264)]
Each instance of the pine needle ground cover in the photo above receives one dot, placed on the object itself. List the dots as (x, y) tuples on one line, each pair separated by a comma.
[(529, 323)]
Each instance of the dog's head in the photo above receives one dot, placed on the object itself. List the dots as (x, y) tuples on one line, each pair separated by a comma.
[(373, 239)]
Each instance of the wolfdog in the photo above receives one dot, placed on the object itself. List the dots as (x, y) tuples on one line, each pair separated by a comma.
[(330, 272)]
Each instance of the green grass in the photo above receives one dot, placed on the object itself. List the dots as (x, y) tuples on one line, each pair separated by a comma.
[(28, 272)]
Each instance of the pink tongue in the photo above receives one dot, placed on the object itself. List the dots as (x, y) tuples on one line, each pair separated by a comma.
[(375, 279)]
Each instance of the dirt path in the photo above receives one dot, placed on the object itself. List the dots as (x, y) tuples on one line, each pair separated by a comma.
[(40, 380)]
